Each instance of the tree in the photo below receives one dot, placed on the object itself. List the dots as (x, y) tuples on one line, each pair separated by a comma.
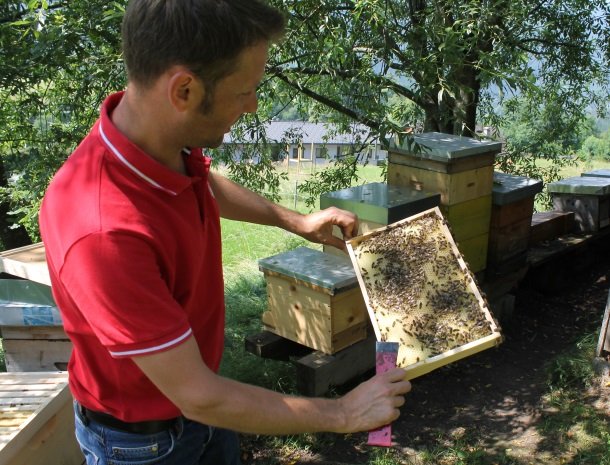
[(446, 56), (456, 60), (438, 65), (59, 60)]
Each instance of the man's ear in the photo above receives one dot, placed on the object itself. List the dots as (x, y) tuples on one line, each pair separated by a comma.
[(184, 89)]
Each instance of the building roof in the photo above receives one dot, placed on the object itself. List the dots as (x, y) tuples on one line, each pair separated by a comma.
[(309, 133)]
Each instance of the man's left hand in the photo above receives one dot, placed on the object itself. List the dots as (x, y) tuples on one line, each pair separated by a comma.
[(318, 226)]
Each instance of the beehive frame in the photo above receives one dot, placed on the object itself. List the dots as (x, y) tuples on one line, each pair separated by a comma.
[(420, 293)]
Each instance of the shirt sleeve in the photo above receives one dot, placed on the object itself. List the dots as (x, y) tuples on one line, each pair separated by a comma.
[(117, 283)]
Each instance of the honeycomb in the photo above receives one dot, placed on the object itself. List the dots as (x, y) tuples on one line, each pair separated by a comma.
[(419, 291)]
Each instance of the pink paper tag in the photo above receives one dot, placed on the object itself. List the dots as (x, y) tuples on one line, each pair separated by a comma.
[(385, 360)]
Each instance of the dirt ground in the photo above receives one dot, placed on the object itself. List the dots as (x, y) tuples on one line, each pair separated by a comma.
[(497, 394)]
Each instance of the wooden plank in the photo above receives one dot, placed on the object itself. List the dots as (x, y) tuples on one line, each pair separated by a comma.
[(474, 251), (508, 241), (550, 225), (270, 345), (36, 355), (603, 344), (318, 372), (27, 262), (35, 377), (34, 332), (590, 211), (448, 167)]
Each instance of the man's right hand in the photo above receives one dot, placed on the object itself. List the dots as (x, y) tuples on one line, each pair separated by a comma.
[(375, 402)]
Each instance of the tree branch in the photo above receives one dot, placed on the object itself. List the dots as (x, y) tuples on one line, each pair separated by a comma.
[(376, 125)]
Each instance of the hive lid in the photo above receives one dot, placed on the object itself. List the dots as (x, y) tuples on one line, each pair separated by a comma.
[(586, 185), (311, 266), (602, 173), (379, 202), (28, 262), (444, 147), (508, 188)]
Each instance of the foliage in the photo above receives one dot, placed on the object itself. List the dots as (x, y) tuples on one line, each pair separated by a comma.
[(442, 65), (59, 59), (428, 64), (595, 147)]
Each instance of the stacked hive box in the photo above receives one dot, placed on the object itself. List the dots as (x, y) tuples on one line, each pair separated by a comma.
[(31, 327), (587, 196), (461, 170), (511, 218), (314, 299), (378, 204)]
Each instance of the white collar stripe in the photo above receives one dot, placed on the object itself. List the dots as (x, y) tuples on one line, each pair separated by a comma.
[(120, 156), (152, 349)]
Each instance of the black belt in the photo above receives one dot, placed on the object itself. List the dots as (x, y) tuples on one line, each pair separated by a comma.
[(139, 427)]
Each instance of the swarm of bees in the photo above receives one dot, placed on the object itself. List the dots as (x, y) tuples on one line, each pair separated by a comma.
[(418, 288)]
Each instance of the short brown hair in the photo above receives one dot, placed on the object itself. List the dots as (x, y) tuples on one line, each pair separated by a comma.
[(204, 35)]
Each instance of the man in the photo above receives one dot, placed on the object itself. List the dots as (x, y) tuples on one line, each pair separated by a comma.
[(132, 234)]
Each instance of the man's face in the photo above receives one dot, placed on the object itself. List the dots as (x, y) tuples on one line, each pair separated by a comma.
[(232, 96)]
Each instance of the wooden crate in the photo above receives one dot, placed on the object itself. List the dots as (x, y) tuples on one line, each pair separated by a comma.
[(549, 225), (35, 348), (587, 196), (419, 292), (314, 299), (37, 420)]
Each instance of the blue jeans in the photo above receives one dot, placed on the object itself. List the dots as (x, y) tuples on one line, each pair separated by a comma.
[(186, 443)]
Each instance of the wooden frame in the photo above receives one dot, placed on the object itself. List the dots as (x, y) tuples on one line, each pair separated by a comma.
[(37, 420), (442, 281)]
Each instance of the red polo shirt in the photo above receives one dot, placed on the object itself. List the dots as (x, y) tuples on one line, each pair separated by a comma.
[(134, 254)]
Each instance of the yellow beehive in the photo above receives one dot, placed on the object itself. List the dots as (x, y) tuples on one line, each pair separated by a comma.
[(419, 292), (460, 169), (314, 299)]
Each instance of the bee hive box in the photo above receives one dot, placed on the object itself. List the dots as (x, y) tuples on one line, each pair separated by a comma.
[(420, 293), (37, 420), (314, 299)]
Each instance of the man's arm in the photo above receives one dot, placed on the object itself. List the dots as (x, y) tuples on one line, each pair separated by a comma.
[(239, 203), (203, 396)]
